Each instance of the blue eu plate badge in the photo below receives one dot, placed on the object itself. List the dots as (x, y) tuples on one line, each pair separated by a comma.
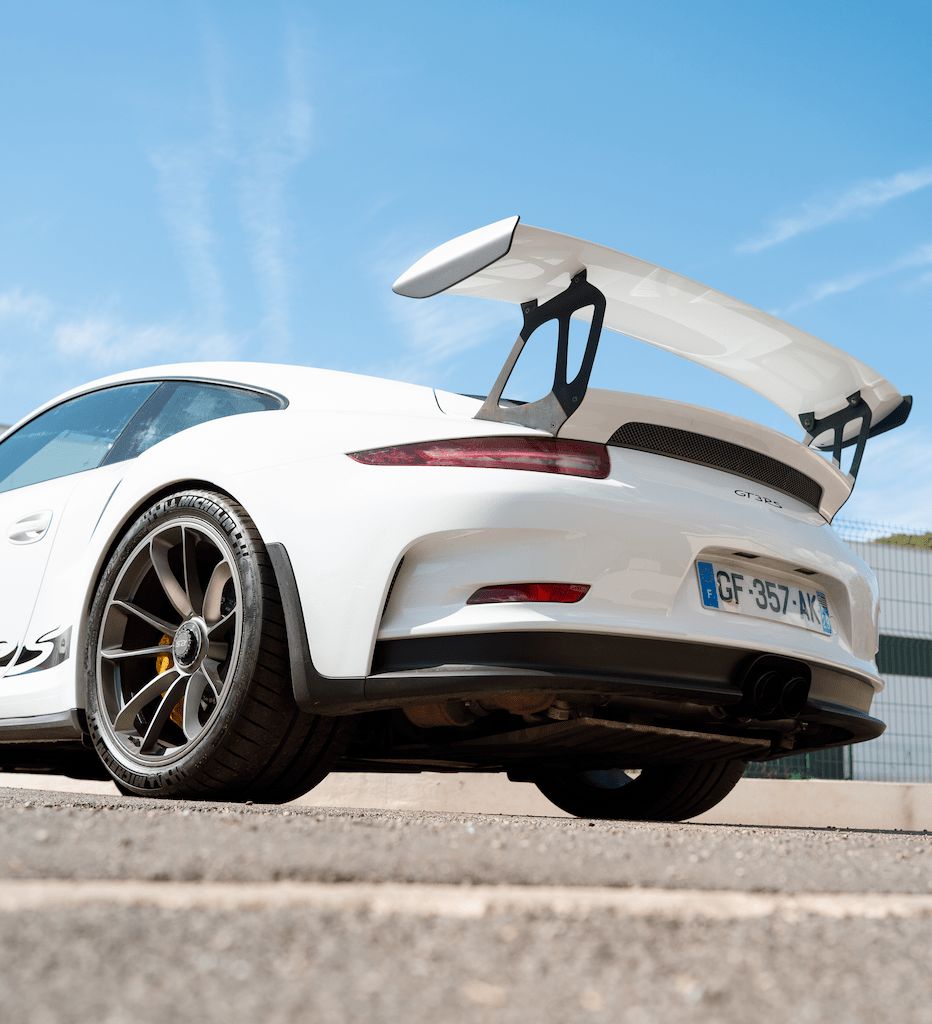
[(707, 585)]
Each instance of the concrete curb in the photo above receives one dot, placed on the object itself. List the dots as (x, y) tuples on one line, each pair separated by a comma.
[(462, 901)]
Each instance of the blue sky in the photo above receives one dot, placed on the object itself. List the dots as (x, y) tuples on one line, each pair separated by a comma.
[(243, 180)]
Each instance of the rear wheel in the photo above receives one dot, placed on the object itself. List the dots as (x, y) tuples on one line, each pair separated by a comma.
[(658, 793), (187, 670)]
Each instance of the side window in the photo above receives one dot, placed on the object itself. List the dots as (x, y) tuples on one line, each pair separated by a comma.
[(70, 438), (177, 406)]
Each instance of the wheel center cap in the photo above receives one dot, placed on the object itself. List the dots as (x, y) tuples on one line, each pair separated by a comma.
[(186, 645)]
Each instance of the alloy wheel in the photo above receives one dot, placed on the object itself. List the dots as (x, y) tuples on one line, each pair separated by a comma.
[(170, 637)]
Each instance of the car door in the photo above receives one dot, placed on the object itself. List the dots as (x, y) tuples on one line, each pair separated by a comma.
[(29, 518), (40, 467)]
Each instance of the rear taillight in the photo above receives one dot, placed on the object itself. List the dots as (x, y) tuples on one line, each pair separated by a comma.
[(535, 454), (555, 593)]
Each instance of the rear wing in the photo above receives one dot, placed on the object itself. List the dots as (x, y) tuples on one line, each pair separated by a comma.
[(838, 400)]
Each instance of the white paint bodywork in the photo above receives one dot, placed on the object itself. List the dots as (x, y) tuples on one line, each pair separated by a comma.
[(634, 537)]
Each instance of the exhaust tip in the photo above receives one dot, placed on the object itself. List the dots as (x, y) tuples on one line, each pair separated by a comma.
[(775, 687), (766, 691), (794, 697)]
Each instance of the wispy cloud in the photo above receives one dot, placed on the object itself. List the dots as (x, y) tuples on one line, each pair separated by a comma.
[(72, 345), (894, 485), (261, 149), (440, 333), (27, 307), (244, 155), (269, 166), (185, 172), (108, 344), (827, 209), (184, 187), (919, 257)]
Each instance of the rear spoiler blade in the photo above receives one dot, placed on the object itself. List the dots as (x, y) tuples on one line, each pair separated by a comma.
[(838, 399)]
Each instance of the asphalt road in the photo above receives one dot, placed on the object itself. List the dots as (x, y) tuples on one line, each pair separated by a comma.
[(117, 909)]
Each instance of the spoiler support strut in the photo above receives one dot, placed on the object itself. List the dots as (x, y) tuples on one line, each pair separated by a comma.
[(856, 409), (552, 411)]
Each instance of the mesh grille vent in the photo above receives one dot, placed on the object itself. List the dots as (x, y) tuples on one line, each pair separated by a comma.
[(718, 454)]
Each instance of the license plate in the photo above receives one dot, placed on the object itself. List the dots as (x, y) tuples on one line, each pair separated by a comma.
[(765, 597)]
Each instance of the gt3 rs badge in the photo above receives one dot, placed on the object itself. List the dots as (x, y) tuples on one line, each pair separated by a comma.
[(758, 497)]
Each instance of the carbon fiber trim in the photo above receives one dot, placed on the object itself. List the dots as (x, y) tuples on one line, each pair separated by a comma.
[(717, 454)]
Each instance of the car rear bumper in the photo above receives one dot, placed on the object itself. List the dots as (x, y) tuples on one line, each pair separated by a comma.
[(679, 678)]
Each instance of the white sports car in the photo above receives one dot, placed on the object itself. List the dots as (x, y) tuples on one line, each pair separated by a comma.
[(222, 581)]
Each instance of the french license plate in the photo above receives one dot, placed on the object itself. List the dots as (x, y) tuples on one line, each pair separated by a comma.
[(765, 597)]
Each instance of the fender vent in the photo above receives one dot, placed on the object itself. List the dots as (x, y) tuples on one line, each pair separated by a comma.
[(718, 454)]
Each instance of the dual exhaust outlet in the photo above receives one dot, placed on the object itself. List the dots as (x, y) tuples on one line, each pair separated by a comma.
[(774, 687)]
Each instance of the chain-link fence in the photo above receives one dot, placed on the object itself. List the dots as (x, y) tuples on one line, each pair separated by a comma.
[(902, 562)]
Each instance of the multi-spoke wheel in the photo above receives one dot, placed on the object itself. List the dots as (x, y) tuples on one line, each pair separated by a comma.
[(658, 793), (188, 692)]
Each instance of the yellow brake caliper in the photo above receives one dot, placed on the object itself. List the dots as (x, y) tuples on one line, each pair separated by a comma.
[(163, 663)]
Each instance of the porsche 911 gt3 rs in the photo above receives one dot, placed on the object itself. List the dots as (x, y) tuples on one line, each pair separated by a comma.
[(223, 581)]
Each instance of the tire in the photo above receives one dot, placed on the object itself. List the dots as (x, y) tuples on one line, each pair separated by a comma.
[(188, 688), (659, 793)]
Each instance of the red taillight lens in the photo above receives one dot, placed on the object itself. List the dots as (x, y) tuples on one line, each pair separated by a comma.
[(536, 454), (555, 593)]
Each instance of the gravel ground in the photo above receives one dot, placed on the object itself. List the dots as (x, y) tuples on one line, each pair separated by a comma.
[(294, 966), (72, 836), (104, 962)]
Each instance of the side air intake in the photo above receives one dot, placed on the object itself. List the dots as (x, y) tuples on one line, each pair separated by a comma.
[(718, 454)]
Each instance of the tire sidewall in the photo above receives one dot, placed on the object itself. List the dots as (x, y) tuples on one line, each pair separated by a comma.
[(214, 511)]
